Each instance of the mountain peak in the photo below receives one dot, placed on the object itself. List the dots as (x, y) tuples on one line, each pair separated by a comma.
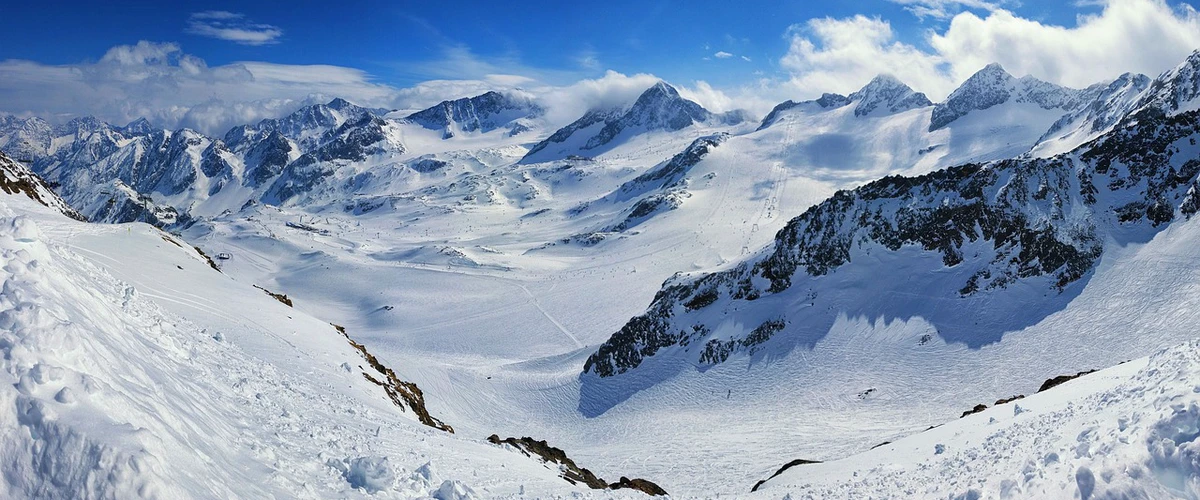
[(992, 86), (659, 107), (662, 87), (1178, 89), (340, 104), (994, 67), (657, 93), (140, 126), (887, 95), (483, 113)]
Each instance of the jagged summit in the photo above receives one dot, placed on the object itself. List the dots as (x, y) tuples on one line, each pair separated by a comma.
[(885, 94), (483, 113), (1102, 106), (140, 126), (1178, 89), (992, 86), (659, 107)]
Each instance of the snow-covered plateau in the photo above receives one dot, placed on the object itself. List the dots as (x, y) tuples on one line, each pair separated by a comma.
[(840, 300)]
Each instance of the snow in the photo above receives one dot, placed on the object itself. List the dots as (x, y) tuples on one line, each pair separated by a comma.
[(1131, 431), (488, 282), (117, 384)]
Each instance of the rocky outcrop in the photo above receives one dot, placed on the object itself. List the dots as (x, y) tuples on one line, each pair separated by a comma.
[(405, 395), (789, 465), (886, 95), (573, 473)]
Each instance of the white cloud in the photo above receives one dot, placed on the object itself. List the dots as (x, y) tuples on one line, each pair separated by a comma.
[(944, 9), (744, 58), (160, 82), (704, 94), (840, 55), (614, 89), (722, 55), (1145, 36), (233, 27)]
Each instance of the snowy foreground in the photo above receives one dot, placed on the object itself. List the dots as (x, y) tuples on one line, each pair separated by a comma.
[(109, 393), (112, 394)]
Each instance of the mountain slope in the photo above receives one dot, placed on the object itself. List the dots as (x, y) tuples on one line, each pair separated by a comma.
[(134, 369), (1016, 232), (15, 178)]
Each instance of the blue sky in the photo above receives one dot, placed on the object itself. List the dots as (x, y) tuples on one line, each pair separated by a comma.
[(213, 64), (403, 43)]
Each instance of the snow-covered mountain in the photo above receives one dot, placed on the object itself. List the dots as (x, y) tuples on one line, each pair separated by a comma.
[(977, 251), (883, 95), (659, 108), (992, 86), (482, 113)]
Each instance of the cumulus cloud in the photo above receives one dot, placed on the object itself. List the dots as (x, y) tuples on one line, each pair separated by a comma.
[(1145, 36), (233, 27), (840, 55), (722, 55)]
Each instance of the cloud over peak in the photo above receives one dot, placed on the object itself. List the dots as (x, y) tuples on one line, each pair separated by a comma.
[(840, 55)]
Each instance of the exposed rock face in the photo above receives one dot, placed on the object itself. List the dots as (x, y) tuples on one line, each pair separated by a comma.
[(1103, 105), (404, 394), (1176, 90), (789, 465)]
